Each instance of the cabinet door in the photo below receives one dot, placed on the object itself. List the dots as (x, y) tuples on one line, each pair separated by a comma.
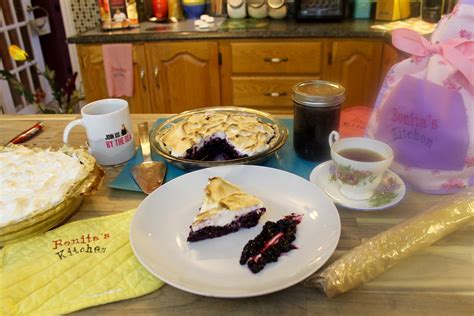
[(356, 65), (91, 62), (185, 75), (261, 73), (390, 57), (95, 87)]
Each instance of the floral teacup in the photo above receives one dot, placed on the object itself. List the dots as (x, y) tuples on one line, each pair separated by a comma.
[(360, 164)]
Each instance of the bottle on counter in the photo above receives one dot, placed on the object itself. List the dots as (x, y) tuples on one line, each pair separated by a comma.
[(448, 6), (236, 9), (361, 9), (317, 107), (431, 11), (277, 9), (175, 12), (216, 8), (257, 9), (160, 9)]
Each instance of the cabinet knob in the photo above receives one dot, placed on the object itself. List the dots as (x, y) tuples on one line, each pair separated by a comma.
[(275, 94), (142, 78), (275, 60), (156, 73)]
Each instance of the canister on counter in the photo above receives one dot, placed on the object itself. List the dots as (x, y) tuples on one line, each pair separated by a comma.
[(257, 9), (175, 12), (317, 106), (236, 9), (277, 9)]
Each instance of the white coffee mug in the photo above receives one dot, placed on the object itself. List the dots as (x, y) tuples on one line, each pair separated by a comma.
[(109, 130), (357, 179)]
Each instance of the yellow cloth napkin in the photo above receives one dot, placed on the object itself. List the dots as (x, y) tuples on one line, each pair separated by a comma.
[(78, 265)]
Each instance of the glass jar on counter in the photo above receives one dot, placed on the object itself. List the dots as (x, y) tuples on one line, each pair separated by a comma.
[(317, 107), (236, 9), (277, 9), (257, 9)]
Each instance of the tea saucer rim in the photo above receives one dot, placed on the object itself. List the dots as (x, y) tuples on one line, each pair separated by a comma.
[(324, 166)]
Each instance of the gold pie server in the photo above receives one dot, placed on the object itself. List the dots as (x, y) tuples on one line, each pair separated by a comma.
[(150, 174)]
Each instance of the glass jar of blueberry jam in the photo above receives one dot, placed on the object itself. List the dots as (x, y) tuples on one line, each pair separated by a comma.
[(317, 106)]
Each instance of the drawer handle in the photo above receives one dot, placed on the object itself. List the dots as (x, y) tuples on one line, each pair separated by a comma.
[(156, 72), (142, 78), (275, 60), (275, 94)]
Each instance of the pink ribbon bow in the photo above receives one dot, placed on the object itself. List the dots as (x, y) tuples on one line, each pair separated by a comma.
[(459, 52)]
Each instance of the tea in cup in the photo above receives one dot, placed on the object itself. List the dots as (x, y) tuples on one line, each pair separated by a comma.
[(360, 164)]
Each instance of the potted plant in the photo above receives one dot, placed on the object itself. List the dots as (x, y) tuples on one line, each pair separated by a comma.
[(65, 99)]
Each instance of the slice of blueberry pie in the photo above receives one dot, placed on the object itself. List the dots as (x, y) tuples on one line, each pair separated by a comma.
[(225, 210)]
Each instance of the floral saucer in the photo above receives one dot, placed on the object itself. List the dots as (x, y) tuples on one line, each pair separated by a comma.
[(389, 192)]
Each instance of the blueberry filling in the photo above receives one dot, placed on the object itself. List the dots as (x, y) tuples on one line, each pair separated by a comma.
[(214, 149), (247, 221), (275, 239)]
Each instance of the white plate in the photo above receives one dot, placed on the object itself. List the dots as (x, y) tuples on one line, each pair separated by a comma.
[(211, 267), (390, 191)]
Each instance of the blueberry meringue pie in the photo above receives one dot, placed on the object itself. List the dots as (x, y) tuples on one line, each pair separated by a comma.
[(214, 136)]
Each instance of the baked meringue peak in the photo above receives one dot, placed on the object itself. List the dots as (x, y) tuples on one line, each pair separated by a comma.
[(223, 201), (32, 180)]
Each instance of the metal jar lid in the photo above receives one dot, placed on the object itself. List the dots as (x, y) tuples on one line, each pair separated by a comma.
[(275, 4), (256, 3), (235, 4), (318, 93)]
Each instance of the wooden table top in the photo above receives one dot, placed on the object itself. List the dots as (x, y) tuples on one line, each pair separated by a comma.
[(436, 280)]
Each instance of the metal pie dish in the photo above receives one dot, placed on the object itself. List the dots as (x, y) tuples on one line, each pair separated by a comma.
[(281, 134), (42, 220)]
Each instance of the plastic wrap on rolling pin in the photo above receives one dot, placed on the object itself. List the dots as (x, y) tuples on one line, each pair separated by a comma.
[(386, 249)]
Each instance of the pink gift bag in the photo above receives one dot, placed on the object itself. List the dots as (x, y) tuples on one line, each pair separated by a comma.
[(425, 108)]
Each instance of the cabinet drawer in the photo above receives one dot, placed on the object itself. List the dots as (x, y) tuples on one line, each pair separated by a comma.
[(276, 57), (264, 91)]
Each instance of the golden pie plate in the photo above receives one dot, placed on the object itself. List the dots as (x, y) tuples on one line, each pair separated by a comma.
[(187, 164), (43, 220)]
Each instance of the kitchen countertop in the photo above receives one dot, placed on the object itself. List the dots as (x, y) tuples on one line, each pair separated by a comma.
[(437, 280), (233, 29)]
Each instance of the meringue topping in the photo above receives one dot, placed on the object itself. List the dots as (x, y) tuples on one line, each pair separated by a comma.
[(34, 180), (223, 202), (247, 133)]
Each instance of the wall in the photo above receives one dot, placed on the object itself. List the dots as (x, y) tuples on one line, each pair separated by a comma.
[(85, 14)]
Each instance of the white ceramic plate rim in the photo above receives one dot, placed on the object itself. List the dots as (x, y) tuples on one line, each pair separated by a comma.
[(275, 275), (320, 170)]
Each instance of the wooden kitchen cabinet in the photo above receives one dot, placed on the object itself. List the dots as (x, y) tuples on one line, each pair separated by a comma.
[(95, 87), (184, 75), (267, 93), (390, 57), (355, 64), (174, 76), (261, 74), (287, 57), (168, 77)]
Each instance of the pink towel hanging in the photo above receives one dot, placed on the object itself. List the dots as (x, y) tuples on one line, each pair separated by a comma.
[(118, 65)]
